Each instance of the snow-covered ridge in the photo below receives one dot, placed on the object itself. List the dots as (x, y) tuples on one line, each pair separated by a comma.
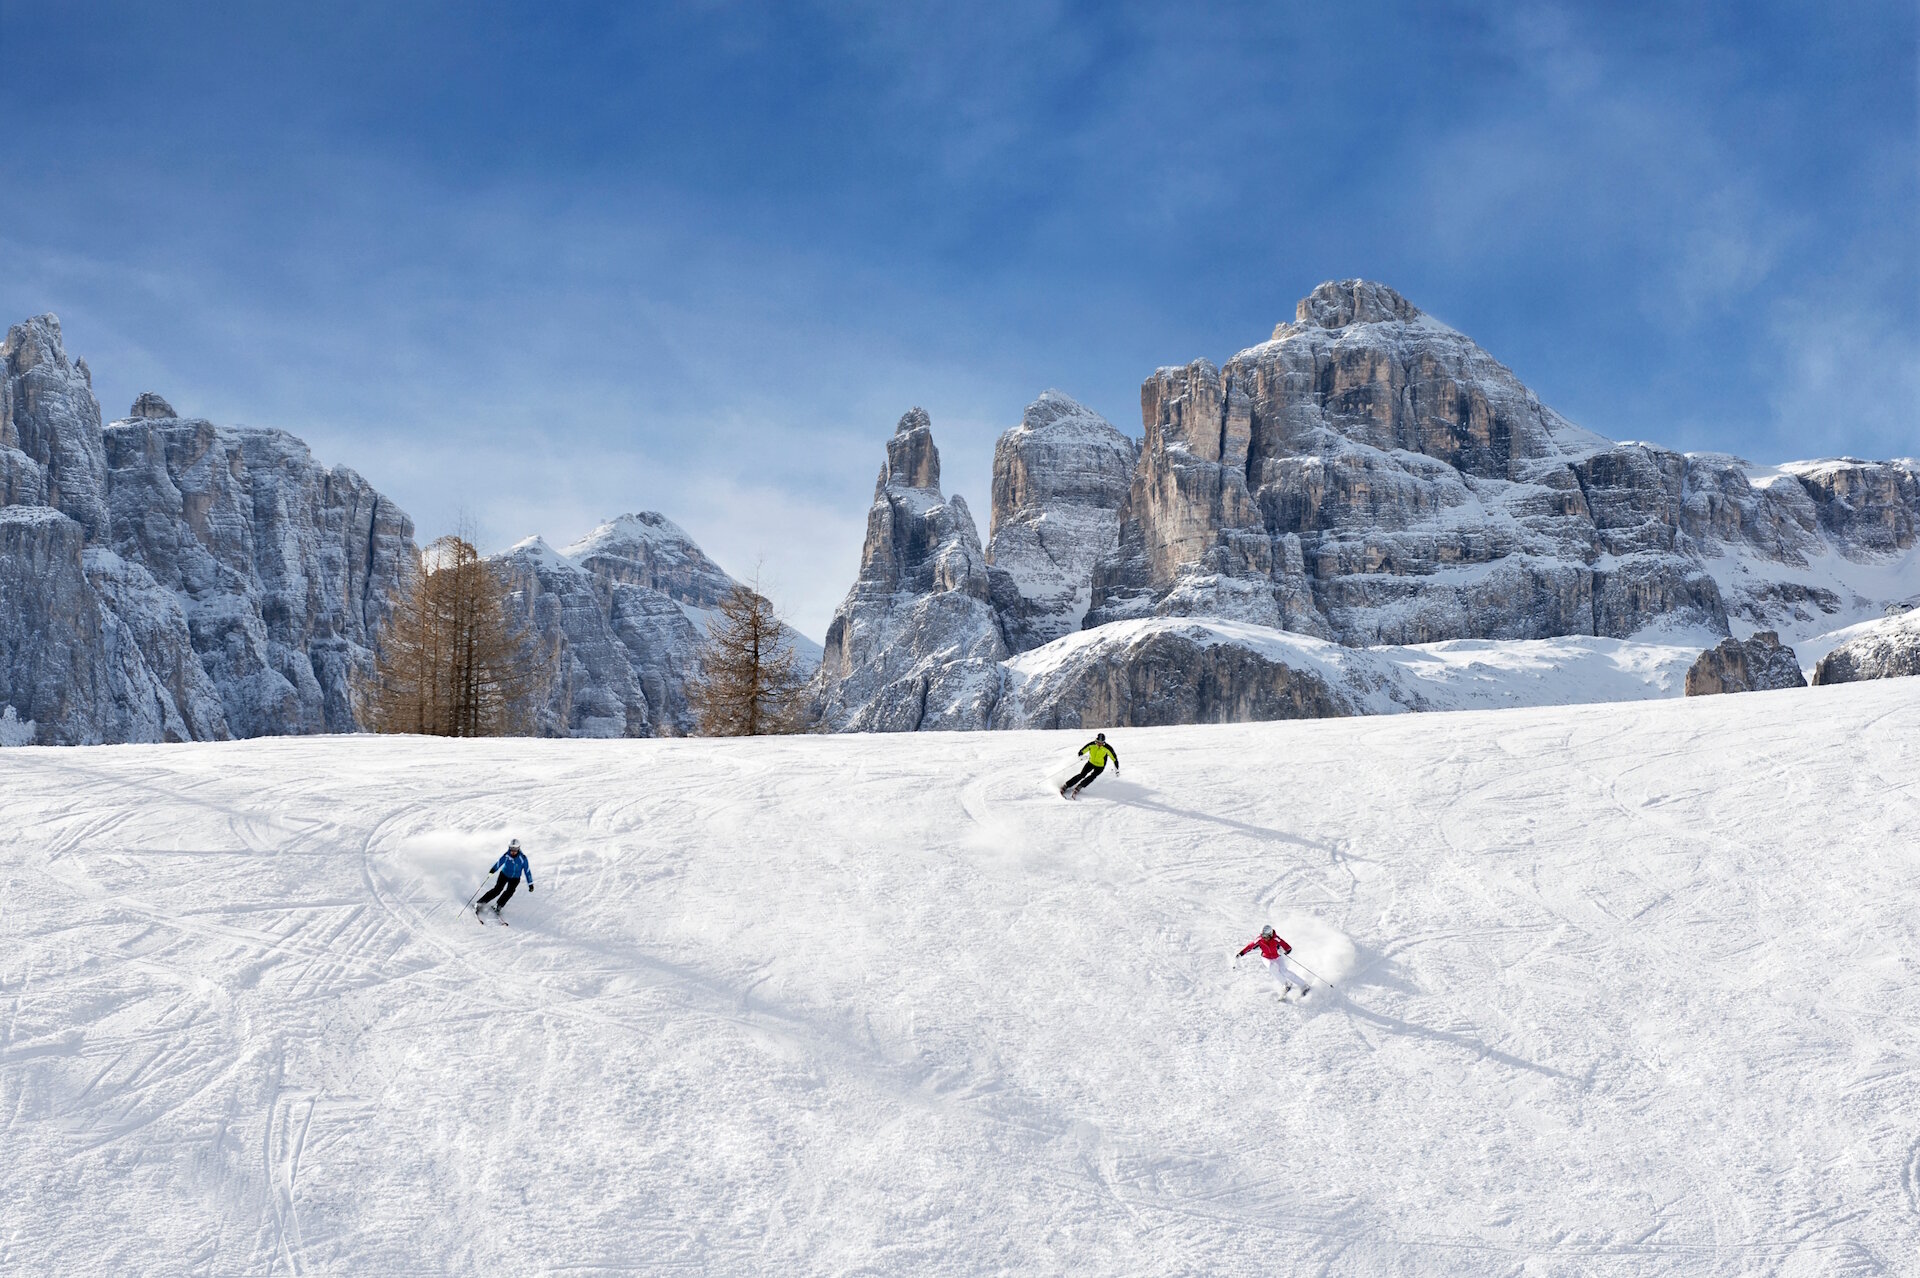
[(648, 528), (627, 610), (535, 549), (817, 1006)]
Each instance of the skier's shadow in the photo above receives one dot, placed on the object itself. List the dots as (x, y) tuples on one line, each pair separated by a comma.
[(1138, 796), (1381, 973)]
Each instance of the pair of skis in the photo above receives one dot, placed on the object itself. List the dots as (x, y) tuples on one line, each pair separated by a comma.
[(475, 909)]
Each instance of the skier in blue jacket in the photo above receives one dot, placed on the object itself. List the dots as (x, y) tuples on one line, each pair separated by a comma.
[(511, 865)]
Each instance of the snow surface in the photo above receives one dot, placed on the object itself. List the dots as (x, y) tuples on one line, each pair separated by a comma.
[(1626, 989), (622, 531), (537, 549)]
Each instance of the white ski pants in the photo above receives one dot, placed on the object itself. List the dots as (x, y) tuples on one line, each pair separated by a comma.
[(1282, 974)]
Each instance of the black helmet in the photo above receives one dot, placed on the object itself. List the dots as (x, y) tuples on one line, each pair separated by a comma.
[(1099, 736), (1267, 930)]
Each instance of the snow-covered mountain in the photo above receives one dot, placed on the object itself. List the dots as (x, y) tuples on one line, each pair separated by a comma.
[(166, 579), (1621, 991), (1373, 478), (627, 608)]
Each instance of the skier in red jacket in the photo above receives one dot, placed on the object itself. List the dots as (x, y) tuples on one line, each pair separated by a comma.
[(1274, 949)]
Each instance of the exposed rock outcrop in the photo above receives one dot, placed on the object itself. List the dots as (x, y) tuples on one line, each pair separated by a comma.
[(1155, 674), (1871, 506), (1373, 476), (627, 607), (917, 642), (1759, 664), (1888, 649), (594, 691), (1059, 479), (151, 406)]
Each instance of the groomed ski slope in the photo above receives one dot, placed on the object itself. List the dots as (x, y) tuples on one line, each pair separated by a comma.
[(1626, 989)]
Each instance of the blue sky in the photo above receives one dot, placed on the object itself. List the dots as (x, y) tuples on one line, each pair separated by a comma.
[(549, 263)]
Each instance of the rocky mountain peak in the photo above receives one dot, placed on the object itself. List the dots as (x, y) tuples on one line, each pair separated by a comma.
[(35, 341), (646, 530), (150, 407), (1059, 479), (912, 460), (917, 641), (50, 426), (1338, 303)]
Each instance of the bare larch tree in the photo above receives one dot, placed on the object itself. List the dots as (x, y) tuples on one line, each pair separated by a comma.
[(748, 684), (454, 660)]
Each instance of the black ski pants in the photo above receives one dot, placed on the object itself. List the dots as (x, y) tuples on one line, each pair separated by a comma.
[(1085, 779), (504, 889)]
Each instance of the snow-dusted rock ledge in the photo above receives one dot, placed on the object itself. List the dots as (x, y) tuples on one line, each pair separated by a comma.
[(1158, 671)]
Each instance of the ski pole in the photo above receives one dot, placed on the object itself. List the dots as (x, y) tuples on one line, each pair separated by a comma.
[(1309, 971)]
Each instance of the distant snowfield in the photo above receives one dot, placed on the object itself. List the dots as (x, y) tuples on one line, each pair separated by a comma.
[(1624, 989)]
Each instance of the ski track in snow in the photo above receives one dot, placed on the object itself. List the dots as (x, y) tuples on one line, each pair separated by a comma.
[(1621, 989)]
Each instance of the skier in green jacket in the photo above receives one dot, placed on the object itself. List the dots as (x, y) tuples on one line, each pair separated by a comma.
[(1097, 754)]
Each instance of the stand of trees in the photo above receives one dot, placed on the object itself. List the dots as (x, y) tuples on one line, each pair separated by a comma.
[(454, 660), (748, 685)]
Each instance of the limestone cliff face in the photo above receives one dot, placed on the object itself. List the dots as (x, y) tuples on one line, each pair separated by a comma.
[(1059, 479), (596, 691), (284, 566), (917, 642), (1367, 475), (53, 667), (207, 581)]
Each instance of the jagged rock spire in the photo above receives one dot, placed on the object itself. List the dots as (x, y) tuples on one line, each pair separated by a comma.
[(917, 641), (49, 414)]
